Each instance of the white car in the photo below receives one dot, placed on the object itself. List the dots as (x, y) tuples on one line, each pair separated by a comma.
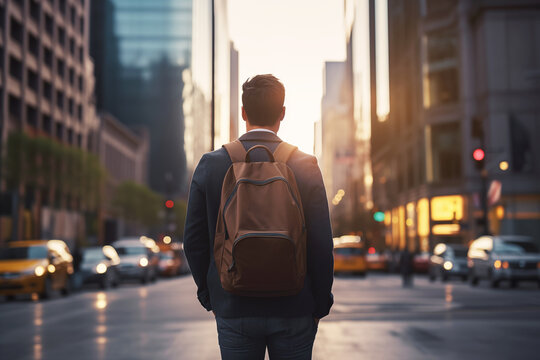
[(509, 257)]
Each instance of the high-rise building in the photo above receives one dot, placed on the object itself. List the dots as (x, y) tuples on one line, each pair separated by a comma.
[(46, 90), (463, 75), (211, 96), (141, 49)]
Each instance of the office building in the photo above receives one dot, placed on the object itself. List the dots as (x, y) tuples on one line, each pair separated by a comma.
[(463, 75), (141, 49)]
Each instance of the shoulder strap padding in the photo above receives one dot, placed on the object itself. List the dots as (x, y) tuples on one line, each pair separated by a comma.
[(284, 151), (236, 151)]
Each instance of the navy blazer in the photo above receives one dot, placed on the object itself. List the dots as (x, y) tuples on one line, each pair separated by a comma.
[(203, 207)]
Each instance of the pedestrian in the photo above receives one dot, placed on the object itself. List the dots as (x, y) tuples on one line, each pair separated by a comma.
[(406, 264), (268, 285)]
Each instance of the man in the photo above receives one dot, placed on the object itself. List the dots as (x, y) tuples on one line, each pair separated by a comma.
[(246, 325)]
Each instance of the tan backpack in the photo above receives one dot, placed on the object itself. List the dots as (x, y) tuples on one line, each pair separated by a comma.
[(260, 243)]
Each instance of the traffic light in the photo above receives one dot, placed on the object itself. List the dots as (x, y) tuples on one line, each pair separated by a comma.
[(169, 204), (479, 156), (378, 216)]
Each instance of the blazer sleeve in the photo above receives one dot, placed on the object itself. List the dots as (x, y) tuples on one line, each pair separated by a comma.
[(320, 258), (196, 237)]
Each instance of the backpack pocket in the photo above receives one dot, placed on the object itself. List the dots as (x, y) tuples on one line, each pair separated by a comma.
[(263, 261)]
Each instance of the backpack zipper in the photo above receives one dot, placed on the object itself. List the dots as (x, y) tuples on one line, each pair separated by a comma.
[(274, 235), (260, 182)]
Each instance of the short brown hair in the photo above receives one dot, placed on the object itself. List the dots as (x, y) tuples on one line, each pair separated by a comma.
[(262, 98)]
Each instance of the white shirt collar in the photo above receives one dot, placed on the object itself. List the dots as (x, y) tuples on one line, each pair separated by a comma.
[(261, 129)]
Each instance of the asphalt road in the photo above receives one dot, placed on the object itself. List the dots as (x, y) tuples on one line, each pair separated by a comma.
[(373, 318)]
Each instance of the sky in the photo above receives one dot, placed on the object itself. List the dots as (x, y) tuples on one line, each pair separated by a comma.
[(290, 39)]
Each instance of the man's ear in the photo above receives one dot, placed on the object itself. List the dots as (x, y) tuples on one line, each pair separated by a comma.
[(244, 114), (282, 115)]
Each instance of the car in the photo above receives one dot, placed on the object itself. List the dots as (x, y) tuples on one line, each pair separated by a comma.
[(100, 265), (448, 260), (376, 261), (509, 257), (35, 266), (350, 257), (421, 263), (137, 260)]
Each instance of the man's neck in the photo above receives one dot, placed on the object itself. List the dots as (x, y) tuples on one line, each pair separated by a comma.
[(273, 129)]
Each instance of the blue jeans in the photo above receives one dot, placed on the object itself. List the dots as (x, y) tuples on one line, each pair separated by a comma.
[(248, 338)]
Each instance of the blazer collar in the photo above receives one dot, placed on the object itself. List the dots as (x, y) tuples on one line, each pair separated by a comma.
[(260, 136)]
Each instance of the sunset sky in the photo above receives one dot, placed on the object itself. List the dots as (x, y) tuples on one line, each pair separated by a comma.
[(291, 40)]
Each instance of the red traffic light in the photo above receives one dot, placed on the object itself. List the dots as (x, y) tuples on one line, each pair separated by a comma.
[(169, 204), (478, 154)]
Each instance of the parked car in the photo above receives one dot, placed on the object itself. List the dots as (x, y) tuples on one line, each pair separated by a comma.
[(497, 258), (421, 263), (137, 260), (350, 257), (448, 260), (376, 261), (100, 265), (35, 266)]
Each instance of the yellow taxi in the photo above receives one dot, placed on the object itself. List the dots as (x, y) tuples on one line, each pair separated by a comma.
[(349, 257), (35, 266)]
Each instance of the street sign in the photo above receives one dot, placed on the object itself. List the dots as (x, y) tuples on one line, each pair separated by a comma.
[(494, 192)]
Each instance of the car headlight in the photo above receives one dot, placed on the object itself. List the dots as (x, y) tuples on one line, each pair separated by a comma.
[(101, 268), (39, 270), (497, 264), (143, 262), (448, 265)]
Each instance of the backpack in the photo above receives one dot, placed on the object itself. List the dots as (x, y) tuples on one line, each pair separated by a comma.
[(260, 242)]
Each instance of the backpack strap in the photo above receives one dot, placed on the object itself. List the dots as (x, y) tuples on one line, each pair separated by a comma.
[(236, 151), (284, 151)]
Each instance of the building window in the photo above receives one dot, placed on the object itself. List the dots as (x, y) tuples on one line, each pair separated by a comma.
[(72, 46), (79, 112), (46, 123), (33, 45), (16, 31), (441, 83), (31, 116), (445, 157), (61, 36), (72, 15), (60, 99), (81, 25), (81, 83), (15, 68), (14, 107), (72, 76), (47, 90), (60, 67), (49, 25), (70, 136), (79, 140), (81, 55), (32, 80), (71, 107), (48, 57), (59, 131), (35, 10), (62, 6)]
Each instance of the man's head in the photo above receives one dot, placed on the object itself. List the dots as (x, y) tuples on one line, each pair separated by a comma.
[(262, 100)]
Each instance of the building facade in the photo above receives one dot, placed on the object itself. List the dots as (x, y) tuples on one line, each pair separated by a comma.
[(141, 50), (124, 155), (463, 75), (46, 91)]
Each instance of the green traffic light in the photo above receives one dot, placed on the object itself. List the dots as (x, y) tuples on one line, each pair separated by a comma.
[(378, 216)]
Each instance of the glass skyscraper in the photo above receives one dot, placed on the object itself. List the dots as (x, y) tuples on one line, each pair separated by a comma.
[(140, 48)]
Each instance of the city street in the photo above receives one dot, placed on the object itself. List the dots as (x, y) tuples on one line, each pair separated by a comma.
[(373, 318)]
